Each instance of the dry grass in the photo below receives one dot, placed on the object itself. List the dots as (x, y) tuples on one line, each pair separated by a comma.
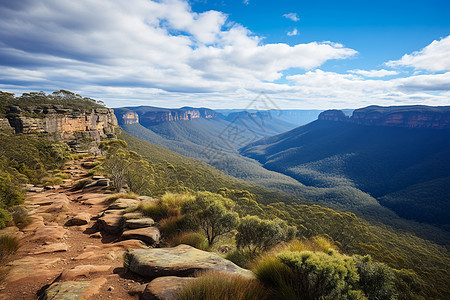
[(194, 239), (213, 285)]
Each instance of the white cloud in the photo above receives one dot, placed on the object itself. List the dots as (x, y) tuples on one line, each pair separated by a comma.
[(158, 45), (292, 16), (434, 57), (374, 73), (246, 2), (293, 32), (161, 53)]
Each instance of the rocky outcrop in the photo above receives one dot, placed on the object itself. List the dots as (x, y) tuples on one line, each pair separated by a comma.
[(182, 260), (417, 116), (126, 116), (148, 116), (332, 115), (4, 125), (63, 123)]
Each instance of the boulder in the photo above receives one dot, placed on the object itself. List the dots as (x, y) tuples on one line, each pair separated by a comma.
[(182, 260), (165, 288), (123, 203), (79, 220), (111, 221), (149, 235), (139, 223), (88, 164)]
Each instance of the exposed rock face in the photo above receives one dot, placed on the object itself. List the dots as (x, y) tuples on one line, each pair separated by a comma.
[(125, 116), (147, 115), (4, 125), (64, 123), (182, 261), (332, 115), (417, 116)]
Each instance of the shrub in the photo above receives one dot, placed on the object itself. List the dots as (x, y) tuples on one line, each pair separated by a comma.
[(219, 285), (212, 214), (316, 243), (256, 235), (241, 258), (173, 202), (309, 275), (193, 239), (375, 279), (5, 217)]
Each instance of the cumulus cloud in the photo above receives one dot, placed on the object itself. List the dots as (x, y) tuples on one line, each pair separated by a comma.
[(434, 57), (374, 73), (162, 53), (292, 16), (160, 45), (293, 32)]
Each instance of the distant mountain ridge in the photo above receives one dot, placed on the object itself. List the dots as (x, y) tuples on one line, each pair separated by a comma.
[(149, 115), (398, 155), (414, 116)]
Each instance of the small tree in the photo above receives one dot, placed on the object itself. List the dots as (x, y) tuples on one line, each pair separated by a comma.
[(256, 235), (211, 212)]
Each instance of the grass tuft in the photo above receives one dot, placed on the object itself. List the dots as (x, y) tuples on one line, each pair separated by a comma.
[(194, 239), (213, 285)]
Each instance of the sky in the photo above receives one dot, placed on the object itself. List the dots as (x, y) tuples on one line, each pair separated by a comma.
[(225, 54)]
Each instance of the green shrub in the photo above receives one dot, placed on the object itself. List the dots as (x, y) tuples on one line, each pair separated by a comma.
[(193, 239), (212, 214), (409, 285), (256, 235), (241, 258), (309, 275), (222, 286), (375, 279), (5, 217)]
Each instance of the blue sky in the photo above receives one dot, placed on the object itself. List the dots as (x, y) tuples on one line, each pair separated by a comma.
[(223, 54)]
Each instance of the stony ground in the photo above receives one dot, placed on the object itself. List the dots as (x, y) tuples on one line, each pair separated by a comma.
[(51, 251), (77, 241)]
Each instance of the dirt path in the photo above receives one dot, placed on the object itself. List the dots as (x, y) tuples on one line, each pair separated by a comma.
[(51, 251)]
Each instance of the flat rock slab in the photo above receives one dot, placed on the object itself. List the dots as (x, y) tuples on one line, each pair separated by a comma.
[(111, 221), (133, 215), (52, 248), (32, 267), (182, 260), (79, 220), (123, 203), (83, 271), (165, 288), (139, 223), (150, 235), (73, 290), (49, 234)]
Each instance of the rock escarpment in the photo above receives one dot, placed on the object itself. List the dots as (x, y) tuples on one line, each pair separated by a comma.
[(63, 122), (148, 116), (417, 116)]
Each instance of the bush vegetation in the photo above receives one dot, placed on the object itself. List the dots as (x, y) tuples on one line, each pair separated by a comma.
[(27, 159)]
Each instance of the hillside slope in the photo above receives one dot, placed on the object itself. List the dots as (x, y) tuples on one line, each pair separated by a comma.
[(406, 169)]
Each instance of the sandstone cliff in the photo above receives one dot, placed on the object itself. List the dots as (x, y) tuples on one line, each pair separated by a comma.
[(80, 129), (148, 116), (417, 116)]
